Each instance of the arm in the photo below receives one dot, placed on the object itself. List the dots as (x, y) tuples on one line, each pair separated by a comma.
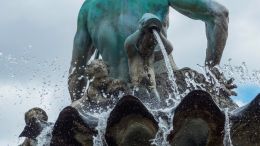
[(82, 52), (216, 18), (130, 43)]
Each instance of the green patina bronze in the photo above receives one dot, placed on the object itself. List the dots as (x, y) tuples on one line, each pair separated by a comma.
[(105, 24), (124, 33)]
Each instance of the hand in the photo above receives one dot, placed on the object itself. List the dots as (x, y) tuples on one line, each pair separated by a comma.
[(227, 86), (150, 22), (149, 27)]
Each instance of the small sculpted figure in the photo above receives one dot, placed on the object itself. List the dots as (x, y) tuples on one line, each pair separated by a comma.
[(36, 120), (105, 25), (101, 86), (97, 72), (76, 124), (142, 51)]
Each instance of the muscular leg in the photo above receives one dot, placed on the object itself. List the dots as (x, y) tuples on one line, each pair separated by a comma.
[(82, 52)]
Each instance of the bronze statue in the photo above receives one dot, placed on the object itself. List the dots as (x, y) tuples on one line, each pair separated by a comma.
[(121, 31), (105, 25)]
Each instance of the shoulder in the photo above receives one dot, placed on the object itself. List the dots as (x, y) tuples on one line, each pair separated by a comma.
[(132, 39), (83, 13), (85, 7)]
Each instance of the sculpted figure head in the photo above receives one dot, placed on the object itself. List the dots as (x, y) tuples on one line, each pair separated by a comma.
[(146, 42), (35, 119), (97, 69), (35, 114), (102, 86), (150, 21)]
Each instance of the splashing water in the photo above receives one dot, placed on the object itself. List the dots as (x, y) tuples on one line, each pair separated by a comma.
[(211, 78), (45, 137), (99, 140), (51, 76), (227, 138), (28, 81), (241, 73), (164, 117)]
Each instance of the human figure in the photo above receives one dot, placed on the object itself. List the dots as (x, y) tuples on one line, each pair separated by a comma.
[(142, 51), (36, 120), (101, 86), (104, 25)]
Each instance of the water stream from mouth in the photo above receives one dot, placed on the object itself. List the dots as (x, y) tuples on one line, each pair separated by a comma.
[(168, 65)]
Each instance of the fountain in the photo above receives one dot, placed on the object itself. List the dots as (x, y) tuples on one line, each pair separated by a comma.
[(136, 96)]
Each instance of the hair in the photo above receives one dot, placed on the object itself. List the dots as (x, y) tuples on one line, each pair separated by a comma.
[(30, 114), (96, 66)]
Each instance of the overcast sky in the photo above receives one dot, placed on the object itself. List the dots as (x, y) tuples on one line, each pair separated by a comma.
[(36, 43)]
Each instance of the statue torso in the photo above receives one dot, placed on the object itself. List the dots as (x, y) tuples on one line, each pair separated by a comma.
[(110, 22)]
